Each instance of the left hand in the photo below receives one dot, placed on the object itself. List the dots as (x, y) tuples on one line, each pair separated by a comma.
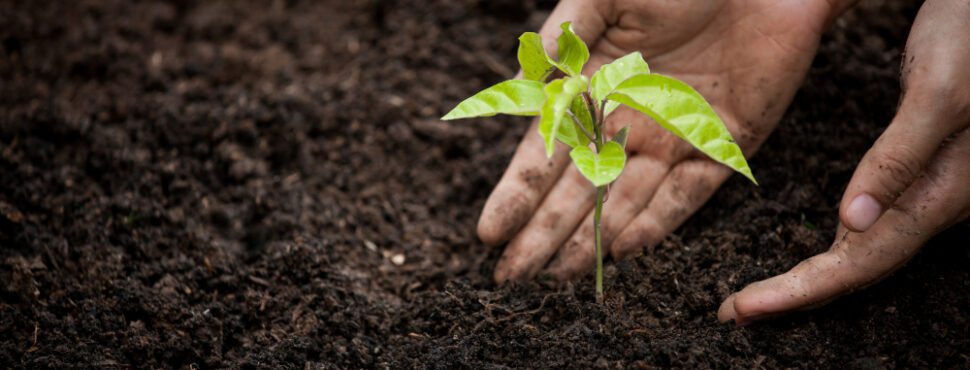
[(912, 184), (746, 57)]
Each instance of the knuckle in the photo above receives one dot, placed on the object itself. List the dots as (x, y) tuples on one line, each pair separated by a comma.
[(805, 280), (896, 169), (678, 193), (938, 88), (626, 193), (853, 269)]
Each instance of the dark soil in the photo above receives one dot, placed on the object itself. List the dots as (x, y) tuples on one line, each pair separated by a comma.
[(262, 184)]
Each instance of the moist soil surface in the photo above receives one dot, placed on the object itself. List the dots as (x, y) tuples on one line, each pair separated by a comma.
[(263, 184)]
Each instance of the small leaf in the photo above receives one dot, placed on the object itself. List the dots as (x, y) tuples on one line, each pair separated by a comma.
[(807, 223), (519, 97), (559, 95), (620, 136), (535, 62), (568, 133), (681, 110), (613, 74), (599, 168), (573, 52)]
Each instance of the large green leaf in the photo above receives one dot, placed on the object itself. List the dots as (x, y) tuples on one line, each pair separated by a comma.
[(535, 62), (559, 95), (519, 97), (613, 74), (599, 168), (573, 52), (681, 110), (568, 133)]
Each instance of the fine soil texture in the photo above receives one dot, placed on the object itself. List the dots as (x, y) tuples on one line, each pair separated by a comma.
[(266, 184)]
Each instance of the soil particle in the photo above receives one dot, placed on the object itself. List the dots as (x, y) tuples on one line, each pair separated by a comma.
[(534, 178)]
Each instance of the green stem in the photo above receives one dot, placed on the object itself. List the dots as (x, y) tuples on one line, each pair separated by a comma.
[(580, 125), (597, 114), (599, 249)]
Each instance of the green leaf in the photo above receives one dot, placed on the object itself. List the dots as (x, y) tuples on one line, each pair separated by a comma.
[(559, 96), (568, 133), (535, 62), (573, 52), (681, 110), (519, 97), (599, 168), (613, 74), (620, 136)]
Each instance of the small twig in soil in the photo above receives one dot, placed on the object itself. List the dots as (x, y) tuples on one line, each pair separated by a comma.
[(637, 331), (262, 301), (450, 294), (529, 312), (258, 280), (491, 320)]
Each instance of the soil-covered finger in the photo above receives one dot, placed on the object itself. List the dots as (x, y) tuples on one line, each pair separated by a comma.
[(525, 183), (560, 212), (627, 197), (684, 190)]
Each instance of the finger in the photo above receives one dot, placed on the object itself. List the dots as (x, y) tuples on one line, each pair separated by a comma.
[(628, 196), (935, 104), (568, 201), (936, 201), (587, 19), (529, 176), (683, 191), (890, 167)]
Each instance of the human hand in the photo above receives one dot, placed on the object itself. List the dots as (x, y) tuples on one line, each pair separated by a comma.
[(913, 183), (747, 57)]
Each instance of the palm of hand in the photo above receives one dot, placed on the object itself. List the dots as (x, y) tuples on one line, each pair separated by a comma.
[(746, 57)]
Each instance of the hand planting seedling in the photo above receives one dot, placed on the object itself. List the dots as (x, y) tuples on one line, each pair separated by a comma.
[(573, 110)]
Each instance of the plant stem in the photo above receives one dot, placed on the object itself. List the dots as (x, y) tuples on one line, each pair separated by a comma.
[(600, 117), (597, 114), (600, 190), (576, 121), (590, 104), (594, 113)]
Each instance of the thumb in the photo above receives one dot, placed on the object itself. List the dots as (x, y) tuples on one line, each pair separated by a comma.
[(588, 22), (889, 168)]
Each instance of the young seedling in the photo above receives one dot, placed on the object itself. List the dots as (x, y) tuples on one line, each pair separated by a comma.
[(573, 109)]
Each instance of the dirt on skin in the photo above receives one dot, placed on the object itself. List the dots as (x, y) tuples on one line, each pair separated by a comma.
[(264, 184)]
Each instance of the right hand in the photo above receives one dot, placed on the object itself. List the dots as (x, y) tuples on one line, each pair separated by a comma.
[(915, 178), (746, 57)]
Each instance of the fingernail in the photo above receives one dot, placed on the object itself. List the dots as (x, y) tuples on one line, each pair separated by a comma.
[(863, 212)]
